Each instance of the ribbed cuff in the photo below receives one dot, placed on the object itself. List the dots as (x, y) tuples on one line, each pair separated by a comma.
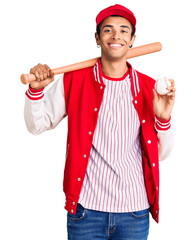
[(161, 125), (34, 94)]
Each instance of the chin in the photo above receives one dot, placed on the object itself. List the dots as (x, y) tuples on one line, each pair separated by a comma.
[(116, 57), (115, 54)]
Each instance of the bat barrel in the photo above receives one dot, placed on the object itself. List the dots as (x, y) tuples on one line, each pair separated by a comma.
[(144, 49)]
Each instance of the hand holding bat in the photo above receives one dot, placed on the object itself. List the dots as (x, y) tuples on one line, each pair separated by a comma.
[(44, 76)]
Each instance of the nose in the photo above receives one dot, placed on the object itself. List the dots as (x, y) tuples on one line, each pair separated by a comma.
[(116, 36)]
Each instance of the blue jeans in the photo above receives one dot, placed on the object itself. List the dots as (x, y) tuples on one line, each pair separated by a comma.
[(91, 225)]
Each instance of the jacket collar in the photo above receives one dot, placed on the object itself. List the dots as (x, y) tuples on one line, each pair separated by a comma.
[(97, 72), (135, 85)]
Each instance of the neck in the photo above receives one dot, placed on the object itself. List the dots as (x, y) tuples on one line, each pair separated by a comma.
[(114, 69)]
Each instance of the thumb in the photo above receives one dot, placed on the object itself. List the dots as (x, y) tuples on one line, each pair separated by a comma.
[(155, 96), (51, 74)]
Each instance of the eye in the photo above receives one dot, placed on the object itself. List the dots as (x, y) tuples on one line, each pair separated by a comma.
[(107, 30), (124, 31)]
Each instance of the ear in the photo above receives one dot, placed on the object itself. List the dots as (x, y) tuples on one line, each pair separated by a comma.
[(97, 39), (133, 40)]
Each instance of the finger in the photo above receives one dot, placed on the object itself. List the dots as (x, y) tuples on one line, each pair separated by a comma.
[(40, 71), (33, 71), (47, 72), (43, 72), (51, 74), (172, 82), (171, 89), (47, 69), (37, 76), (36, 73), (41, 84), (171, 93)]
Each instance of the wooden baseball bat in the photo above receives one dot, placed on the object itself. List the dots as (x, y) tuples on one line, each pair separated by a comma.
[(133, 52)]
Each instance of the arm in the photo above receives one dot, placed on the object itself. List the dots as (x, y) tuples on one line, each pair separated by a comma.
[(163, 106), (165, 135), (44, 111)]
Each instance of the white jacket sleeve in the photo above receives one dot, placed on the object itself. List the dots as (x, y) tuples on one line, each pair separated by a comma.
[(45, 111), (166, 137)]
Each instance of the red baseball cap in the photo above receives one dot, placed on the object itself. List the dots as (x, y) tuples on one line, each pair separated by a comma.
[(116, 9)]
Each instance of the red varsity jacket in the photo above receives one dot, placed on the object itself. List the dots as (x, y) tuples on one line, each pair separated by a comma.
[(83, 98)]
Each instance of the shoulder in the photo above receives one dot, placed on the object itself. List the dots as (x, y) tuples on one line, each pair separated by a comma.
[(76, 73), (142, 78), (145, 80), (145, 77), (76, 78)]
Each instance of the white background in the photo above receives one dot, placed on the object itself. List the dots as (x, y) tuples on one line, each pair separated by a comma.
[(59, 33)]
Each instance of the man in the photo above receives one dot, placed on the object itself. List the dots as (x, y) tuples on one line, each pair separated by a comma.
[(118, 129)]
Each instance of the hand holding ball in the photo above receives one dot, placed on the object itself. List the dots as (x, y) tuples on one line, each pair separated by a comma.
[(161, 86)]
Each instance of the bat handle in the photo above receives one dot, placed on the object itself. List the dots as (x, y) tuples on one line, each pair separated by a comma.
[(27, 78)]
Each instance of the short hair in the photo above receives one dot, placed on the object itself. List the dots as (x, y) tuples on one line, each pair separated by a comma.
[(99, 27)]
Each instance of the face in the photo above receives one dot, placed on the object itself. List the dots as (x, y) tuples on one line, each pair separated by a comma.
[(115, 38)]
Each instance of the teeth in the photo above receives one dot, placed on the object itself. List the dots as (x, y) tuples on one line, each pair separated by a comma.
[(115, 45)]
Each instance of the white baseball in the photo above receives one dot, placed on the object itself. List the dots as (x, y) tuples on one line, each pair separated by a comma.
[(161, 85)]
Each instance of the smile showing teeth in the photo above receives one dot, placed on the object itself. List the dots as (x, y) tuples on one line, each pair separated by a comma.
[(115, 45)]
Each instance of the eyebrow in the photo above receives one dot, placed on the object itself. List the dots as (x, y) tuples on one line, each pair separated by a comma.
[(123, 26)]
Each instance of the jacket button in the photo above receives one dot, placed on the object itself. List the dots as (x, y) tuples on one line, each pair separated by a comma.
[(79, 179), (95, 109), (143, 121), (149, 141), (156, 211), (153, 164), (135, 101), (74, 203), (90, 133), (84, 155), (101, 87), (72, 210)]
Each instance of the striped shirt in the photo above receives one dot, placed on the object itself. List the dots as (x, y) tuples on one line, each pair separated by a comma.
[(114, 179)]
